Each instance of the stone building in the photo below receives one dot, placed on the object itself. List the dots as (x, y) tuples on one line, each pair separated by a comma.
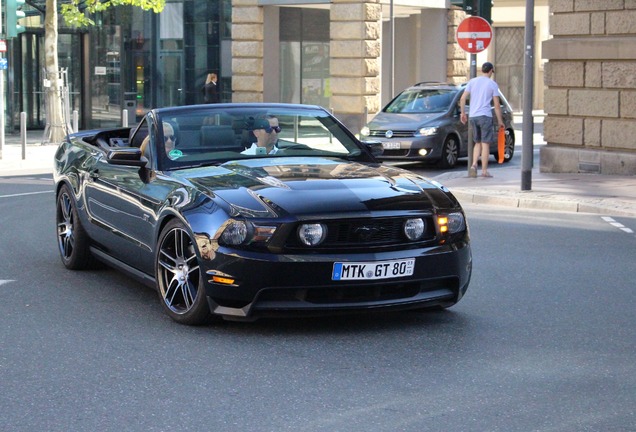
[(590, 96), (336, 53)]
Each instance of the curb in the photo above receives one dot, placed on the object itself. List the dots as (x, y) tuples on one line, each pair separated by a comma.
[(545, 202)]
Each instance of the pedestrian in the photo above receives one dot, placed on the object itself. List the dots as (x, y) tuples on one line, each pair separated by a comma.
[(482, 91), (210, 89)]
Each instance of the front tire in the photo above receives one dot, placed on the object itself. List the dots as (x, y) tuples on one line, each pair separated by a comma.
[(72, 240), (179, 277), (450, 153)]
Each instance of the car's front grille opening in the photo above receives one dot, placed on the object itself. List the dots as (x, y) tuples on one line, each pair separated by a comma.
[(361, 234), (371, 293), (396, 153)]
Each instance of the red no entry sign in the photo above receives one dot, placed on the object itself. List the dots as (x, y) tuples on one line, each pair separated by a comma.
[(474, 34)]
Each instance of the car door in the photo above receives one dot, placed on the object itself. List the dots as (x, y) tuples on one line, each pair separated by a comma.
[(123, 204), (461, 128)]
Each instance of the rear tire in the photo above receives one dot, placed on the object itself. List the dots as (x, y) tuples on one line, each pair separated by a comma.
[(179, 281), (72, 240), (509, 149)]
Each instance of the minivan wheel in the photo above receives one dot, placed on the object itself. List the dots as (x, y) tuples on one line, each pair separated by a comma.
[(509, 150), (450, 153)]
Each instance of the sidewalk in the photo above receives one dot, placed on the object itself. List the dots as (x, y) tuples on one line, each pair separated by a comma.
[(38, 158), (590, 193)]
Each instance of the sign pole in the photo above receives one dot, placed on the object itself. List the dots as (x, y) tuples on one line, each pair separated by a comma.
[(471, 142)]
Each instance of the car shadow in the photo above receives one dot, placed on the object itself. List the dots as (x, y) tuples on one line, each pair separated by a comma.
[(347, 324)]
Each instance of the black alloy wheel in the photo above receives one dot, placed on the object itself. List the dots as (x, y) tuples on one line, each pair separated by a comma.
[(71, 238), (450, 153), (179, 277), (509, 149)]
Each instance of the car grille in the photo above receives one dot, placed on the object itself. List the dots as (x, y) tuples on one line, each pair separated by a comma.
[(364, 233), (359, 294), (396, 133), (397, 153)]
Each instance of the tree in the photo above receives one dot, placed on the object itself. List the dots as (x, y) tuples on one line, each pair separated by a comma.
[(76, 13)]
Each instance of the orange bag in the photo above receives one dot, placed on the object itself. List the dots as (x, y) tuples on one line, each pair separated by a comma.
[(501, 144)]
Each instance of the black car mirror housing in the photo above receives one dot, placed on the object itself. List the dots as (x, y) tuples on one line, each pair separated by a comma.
[(375, 147), (129, 156)]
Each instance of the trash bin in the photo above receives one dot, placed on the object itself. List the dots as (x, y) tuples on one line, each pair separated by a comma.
[(130, 104)]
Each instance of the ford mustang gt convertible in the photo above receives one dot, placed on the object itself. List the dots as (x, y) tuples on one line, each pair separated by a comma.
[(243, 211)]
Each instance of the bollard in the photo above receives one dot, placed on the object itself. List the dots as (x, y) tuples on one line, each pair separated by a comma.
[(23, 133), (75, 121), (124, 118)]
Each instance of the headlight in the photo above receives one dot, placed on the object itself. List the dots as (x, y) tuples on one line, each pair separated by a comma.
[(414, 229), (451, 223), (236, 232), (312, 234), (427, 131), (365, 131)]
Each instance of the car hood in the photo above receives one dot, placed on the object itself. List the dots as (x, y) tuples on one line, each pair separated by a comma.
[(402, 121), (298, 186)]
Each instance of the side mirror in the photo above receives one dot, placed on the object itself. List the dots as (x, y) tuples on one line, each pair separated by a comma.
[(128, 156), (375, 147)]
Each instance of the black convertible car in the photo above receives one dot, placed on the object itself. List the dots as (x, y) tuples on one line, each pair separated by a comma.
[(251, 210)]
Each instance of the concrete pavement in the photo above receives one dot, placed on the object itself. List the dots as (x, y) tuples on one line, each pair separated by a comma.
[(590, 193)]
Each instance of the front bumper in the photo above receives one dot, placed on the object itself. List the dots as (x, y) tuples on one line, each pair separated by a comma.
[(270, 285), (409, 148)]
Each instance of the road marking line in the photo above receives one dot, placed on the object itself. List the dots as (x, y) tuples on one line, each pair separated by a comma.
[(618, 225), (2, 282), (24, 194)]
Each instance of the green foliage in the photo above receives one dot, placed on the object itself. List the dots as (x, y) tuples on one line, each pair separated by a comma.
[(76, 13)]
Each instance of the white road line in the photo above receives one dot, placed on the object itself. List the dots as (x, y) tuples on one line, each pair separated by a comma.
[(618, 225), (2, 282), (25, 194)]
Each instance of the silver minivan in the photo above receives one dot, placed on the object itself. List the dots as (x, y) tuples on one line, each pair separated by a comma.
[(422, 123)]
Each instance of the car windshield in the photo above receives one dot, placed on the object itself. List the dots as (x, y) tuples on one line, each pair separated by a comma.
[(421, 101), (218, 133)]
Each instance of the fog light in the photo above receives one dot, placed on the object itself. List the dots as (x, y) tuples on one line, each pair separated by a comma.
[(422, 152), (312, 234), (414, 229)]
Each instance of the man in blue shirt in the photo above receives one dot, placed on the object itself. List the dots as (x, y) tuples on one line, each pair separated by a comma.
[(482, 91)]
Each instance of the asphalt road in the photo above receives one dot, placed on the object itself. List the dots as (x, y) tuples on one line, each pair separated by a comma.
[(543, 341)]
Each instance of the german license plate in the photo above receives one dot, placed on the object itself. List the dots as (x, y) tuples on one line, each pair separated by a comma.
[(391, 145), (372, 270)]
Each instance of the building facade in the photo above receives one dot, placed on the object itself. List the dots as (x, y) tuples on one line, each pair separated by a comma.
[(590, 78), (350, 56), (131, 59)]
